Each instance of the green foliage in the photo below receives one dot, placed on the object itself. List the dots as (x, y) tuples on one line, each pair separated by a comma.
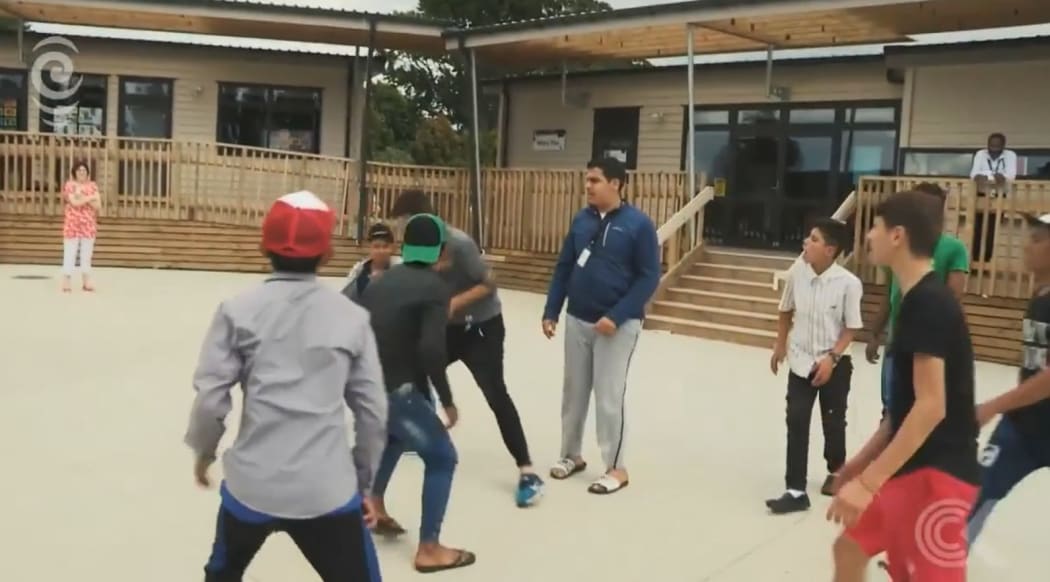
[(422, 110)]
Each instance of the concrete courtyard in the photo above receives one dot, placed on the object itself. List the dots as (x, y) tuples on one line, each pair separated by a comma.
[(95, 391)]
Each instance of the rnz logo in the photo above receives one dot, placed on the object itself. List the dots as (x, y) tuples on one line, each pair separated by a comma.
[(52, 76)]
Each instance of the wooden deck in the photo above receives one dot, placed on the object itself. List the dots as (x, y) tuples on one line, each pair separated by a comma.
[(172, 244)]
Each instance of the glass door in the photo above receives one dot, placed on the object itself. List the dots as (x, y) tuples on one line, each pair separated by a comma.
[(809, 176), (750, 203)]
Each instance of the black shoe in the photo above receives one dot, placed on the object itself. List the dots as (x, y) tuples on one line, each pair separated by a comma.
[(788, 503), (826, 489)]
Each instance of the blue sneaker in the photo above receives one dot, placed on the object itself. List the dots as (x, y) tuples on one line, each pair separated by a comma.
[(530, 490)]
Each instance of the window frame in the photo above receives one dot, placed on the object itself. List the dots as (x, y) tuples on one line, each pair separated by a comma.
[(122, 100), (227, 148), (22, 120), (105, 110)]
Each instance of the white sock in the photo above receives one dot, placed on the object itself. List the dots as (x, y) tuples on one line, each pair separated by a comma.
[(796, 493)]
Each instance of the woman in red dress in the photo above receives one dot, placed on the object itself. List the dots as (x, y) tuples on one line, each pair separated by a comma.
[(82, 202)]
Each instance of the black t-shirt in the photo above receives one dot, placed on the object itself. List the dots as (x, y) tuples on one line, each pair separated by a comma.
[(408, 308), (1034, 420), (931, 322)]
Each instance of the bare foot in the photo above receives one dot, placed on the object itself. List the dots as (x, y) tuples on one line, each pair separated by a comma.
[(87, 284), (434, 557), (67, 286)]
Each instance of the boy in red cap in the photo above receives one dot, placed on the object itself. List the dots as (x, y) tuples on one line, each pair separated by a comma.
[(301, 352)]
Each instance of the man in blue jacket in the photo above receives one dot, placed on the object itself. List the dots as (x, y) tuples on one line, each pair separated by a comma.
[(609, 267)]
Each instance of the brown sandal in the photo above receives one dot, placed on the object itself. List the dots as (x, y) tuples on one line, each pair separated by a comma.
[(463, 560), (388, 527)]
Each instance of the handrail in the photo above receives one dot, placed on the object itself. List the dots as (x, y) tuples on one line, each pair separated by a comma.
[(684, 214), (842, 213)]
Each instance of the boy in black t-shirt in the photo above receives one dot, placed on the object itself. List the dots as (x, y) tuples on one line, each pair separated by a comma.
[(922, 462), (1020, 444)]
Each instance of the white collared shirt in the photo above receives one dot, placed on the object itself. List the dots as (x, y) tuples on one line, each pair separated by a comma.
[(984, 165), (823, 306)]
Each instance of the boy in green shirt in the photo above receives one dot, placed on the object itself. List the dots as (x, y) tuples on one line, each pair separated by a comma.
[(951, 262)]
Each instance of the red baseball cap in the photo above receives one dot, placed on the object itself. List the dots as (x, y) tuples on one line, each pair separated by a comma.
[(298, 225)]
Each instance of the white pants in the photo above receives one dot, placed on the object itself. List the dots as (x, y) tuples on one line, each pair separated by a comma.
[(70, 248)]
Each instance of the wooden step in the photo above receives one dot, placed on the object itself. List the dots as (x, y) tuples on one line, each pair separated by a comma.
[(724, 300), (714, 331), (752, 274), (774, 261), (729, 286), (722, 316)]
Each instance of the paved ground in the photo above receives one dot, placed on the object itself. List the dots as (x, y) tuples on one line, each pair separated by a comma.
[(95, 392)]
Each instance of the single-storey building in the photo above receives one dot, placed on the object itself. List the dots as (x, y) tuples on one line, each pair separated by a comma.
[(778, 153), (247, 93)]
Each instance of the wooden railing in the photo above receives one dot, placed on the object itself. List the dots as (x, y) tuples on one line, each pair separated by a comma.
[(680, 238), (1002, 276), (164, 179), (843, 213), (523, 209)]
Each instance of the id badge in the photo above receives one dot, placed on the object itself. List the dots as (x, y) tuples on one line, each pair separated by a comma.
[(582, 261)]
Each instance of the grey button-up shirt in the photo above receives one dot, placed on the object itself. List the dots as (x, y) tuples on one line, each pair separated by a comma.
[(301, 352)]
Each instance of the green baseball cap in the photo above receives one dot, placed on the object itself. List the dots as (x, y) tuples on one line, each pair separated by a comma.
[(424, 237)]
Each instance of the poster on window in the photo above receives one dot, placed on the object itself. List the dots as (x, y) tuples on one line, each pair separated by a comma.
[(548, 140), (9, 114), (293, 141), (89, 121)]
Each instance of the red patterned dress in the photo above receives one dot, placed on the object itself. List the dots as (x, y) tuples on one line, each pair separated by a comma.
[(80, 221)]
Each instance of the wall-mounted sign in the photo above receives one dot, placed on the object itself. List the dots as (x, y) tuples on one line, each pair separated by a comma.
[(548, 140)]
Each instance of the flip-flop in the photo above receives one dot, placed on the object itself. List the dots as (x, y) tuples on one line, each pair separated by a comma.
[(607, 485), (388, 527), (566, 468), (463, 560)]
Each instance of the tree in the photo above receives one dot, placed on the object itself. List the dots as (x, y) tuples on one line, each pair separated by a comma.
[(392, 123)]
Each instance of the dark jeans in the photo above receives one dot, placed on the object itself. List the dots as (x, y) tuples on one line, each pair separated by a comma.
[(1009, 457), (415, 426), (833, 399), (480, 347), (337, 545)]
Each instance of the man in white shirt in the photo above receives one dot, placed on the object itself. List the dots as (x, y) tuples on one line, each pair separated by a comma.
[(819, 315), (994, 169)]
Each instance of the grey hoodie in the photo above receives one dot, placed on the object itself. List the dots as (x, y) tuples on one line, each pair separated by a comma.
[(301, 353)]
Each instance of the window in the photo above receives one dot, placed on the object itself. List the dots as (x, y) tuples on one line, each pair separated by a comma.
[(867, 152), (1032, 164), (145, 108), (283, 118), (872, 115), (76, 106), (12, 100), (812, 116)]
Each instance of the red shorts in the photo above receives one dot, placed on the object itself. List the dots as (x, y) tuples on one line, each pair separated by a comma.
[(919, 520)]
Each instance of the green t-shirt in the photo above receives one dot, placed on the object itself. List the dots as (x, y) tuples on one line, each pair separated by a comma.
[(950, 255)]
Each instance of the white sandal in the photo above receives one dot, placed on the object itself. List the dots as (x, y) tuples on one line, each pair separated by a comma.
[(607, 485), (566, 468)]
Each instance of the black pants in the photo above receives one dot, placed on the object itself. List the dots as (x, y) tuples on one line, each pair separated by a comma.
[(480, 347), (338, 546), (979, 220), (800, 397)]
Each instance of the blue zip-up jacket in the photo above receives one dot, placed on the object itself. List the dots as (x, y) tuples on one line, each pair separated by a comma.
[(620, 274)]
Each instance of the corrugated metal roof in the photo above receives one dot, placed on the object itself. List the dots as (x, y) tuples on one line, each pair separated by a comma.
[(183, 38)]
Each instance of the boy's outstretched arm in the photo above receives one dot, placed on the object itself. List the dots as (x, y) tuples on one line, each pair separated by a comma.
[(218, 370), (1031, 391), (366, 396)]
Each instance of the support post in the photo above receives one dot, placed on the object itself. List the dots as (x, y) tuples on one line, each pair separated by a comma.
[(362, 177), (476, 221), (769, 71), (690, 162)]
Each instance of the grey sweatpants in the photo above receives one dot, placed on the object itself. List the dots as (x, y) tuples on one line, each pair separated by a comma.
[(594, 361)]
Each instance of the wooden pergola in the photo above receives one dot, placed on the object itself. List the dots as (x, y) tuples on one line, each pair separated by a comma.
[(730, 26)]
